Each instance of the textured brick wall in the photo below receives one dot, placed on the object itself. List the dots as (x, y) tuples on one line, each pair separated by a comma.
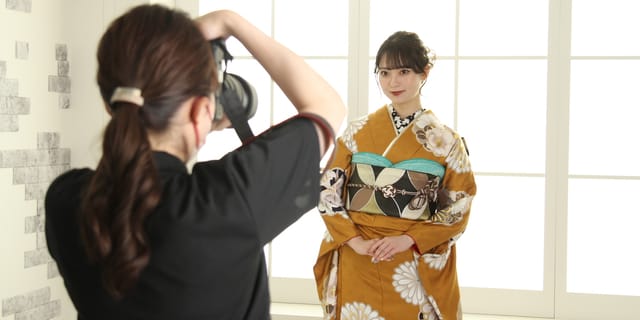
[(33, 305), (19, 5), (35, 169), (61, 82), (32, 166), (11, 105)]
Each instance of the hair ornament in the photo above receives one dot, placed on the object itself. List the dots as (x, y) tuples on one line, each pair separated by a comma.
[(127, 94)]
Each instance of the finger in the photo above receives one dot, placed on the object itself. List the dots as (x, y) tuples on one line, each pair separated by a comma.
[(390, 254), (374, 247), (382, 254), (384, 249), (388, 257)]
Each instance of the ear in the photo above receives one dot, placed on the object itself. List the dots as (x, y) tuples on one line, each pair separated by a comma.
[(426, 72), (200, 111)]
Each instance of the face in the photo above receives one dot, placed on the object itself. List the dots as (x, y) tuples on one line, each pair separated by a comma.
[(400, 85)]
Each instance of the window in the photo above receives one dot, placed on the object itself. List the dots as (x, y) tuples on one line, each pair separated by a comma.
[(602, 176), (544, 93)]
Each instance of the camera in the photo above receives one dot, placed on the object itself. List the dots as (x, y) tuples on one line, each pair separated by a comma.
[(235, 96)]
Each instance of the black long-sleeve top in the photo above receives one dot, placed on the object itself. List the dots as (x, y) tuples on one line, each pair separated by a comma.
[(206, 235)]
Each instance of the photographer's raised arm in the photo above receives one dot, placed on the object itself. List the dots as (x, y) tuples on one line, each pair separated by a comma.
[(304, 87)]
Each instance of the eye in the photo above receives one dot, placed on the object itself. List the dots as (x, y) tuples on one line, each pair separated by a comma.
[(383, 73), (405, 71)]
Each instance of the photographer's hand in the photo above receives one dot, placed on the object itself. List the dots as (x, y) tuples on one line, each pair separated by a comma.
[(215, 24)]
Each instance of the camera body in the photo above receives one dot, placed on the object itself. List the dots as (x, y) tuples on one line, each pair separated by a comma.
[(235, 96)]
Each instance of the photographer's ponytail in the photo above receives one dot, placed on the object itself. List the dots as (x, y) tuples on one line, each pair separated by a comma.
[(125, 189)]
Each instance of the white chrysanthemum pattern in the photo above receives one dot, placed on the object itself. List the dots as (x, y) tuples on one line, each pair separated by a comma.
[(359, 311), (327, 236), (407, 282), (351, 130), (436, 261)]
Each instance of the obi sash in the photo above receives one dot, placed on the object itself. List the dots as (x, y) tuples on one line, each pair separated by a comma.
[(407, 189)]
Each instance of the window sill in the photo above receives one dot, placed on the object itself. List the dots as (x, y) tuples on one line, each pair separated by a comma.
[(294, 311)]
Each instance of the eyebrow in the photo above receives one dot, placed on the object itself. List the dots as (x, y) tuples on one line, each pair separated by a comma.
[(393, 68)]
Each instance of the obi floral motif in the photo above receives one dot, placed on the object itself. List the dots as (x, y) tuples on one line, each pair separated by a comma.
[(392, 191)]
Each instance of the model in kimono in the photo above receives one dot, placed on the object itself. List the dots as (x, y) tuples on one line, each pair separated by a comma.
[(395, 199)]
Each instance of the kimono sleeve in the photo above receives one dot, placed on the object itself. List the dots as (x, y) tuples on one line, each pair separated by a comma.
[(450, 219), (332, 196)]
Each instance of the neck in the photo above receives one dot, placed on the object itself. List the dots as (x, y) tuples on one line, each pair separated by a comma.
[(406, 109), (166, 144)]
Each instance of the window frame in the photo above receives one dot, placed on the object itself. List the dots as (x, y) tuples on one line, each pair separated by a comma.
[(553, 300)]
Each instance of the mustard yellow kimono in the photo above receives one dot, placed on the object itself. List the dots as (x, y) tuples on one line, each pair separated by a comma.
[(382, 183)]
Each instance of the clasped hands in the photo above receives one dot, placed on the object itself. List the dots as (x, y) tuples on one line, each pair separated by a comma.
[(381, 249)]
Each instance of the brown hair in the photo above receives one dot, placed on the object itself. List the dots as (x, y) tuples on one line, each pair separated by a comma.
[(404, 49), (161, 52)]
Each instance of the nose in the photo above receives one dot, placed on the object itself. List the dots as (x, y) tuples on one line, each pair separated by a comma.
[(393, 78)]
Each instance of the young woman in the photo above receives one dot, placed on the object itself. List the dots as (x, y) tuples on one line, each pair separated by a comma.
[(141, 237), (395, 199)]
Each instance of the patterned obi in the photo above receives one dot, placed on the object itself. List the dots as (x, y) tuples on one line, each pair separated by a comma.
[(407, 189)]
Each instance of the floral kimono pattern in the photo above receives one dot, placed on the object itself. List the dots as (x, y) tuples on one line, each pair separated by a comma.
[(381, 183)]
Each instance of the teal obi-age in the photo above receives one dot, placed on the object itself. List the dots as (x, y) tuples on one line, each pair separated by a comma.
[(407, 189)]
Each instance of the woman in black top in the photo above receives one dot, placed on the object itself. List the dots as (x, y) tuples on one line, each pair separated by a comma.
[(141, 237)]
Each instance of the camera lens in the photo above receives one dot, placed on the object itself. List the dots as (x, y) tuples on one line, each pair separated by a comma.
[(235, 94)]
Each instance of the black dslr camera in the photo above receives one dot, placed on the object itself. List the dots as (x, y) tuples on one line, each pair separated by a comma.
[(235, 96)]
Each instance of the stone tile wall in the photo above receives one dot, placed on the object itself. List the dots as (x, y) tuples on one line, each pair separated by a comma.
[(61, 82), (33, 305), (19, 5), (11, 105), (39, 159)]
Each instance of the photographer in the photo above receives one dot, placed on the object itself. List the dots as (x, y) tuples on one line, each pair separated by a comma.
[(141, 237)]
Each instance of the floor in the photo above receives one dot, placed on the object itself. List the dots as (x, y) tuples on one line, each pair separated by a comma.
[(282, 311)]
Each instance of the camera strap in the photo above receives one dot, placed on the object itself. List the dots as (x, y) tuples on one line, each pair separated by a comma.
[(237, 117), (239, 120)]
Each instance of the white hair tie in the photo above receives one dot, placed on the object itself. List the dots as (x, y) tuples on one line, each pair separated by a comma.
[(127, 94)]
